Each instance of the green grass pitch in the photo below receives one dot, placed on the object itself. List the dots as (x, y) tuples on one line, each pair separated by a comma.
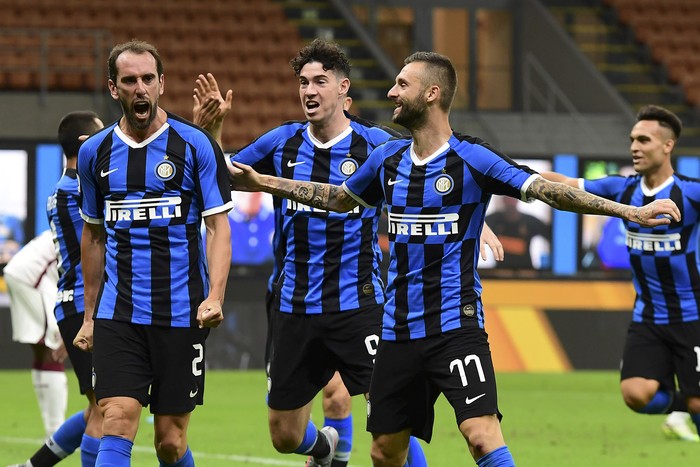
[(572, 420)]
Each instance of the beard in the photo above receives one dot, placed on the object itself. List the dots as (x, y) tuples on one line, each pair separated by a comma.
[(412, 114), (130, 115)]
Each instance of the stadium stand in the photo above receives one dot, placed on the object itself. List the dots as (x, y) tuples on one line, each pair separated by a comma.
[(63, 46), (648, 49)]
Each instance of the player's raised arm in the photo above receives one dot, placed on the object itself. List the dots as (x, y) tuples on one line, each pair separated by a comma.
[(567, 198), (210, 107), (319, 195)]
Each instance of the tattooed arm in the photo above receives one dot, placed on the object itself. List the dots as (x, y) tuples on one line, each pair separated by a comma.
[(566, 198), (318, 195)]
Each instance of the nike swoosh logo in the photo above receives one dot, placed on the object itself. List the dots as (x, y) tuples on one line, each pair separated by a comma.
[(469, 400), (104, 174), (393, 182), (293, 164), (194, 393)]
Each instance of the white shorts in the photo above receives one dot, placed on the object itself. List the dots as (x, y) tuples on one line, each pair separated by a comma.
[(32, 312)]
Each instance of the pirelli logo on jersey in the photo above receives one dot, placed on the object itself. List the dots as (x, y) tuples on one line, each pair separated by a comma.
[(143, 209), (423, 224), (293, 206), (653, 242)]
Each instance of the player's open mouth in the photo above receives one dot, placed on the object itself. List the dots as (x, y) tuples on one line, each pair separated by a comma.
[(311, 105), (141, 109)]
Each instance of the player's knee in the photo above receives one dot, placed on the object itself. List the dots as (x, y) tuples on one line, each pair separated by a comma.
[(694, 404), (171, 447), (337, 404), (383, 456), (637, 393), (389, 450), (284, 439)]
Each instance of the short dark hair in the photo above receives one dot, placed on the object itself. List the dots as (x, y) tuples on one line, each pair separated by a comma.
[(440, 72), (135, 46), (329, 54), (665, 117), (73, 125)]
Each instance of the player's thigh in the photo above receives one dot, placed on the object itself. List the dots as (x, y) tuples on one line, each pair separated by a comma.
[(353, 336), (401, 397), (121, 361), (300, 366), (686, 356), (647, 355), (81, 361), (26, 311), (178, 356), (461, 367)]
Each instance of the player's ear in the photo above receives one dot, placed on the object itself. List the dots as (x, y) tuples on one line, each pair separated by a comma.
[(113, 90)]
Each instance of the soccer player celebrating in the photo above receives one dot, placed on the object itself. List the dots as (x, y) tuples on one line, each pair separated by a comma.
[(663, 339), (147, 181), (326, 294), (436, 186)]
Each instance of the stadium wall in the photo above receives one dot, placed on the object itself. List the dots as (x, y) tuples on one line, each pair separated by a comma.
[(533, 326)]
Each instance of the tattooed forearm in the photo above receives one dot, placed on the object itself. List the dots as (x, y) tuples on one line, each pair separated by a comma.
[(318, 195), (566, 198)]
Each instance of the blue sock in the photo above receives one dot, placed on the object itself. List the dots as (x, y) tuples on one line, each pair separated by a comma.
[(497, 458), (659, 403), (309, 439), (70, 434), (416, 456), (695, 417), (344, 428), (185, 461), (114, 452), (88, 451)]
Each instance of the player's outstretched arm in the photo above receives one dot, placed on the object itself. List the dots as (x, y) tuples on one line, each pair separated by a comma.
[(210, 107), (319, 195), (567, 198)]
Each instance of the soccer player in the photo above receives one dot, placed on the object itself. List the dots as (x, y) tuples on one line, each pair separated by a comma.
[(436, 186), (84, 428), (326, 295), (147, 182), (31, 277), (663, 339)]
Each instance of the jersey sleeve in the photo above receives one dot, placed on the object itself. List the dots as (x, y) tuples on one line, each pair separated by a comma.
[(92, 201), (212, 173)]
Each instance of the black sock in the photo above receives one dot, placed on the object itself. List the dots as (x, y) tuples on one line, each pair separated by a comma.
[(321, 448), (44, 457), (678, 404)]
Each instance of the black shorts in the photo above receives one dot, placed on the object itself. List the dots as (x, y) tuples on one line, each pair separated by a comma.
[(410, 375), (156, 365), (81, 361), (308, 349), (664, 352)]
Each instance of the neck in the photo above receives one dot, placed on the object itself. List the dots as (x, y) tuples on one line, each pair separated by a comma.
[(72, 162), (655, 179), (326, 131), (431, 136), (140, 135)]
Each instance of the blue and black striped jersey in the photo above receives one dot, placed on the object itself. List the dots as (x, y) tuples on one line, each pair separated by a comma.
[(324, 261), (664, 259), (63, 211), (151, 197), (436, 209)]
